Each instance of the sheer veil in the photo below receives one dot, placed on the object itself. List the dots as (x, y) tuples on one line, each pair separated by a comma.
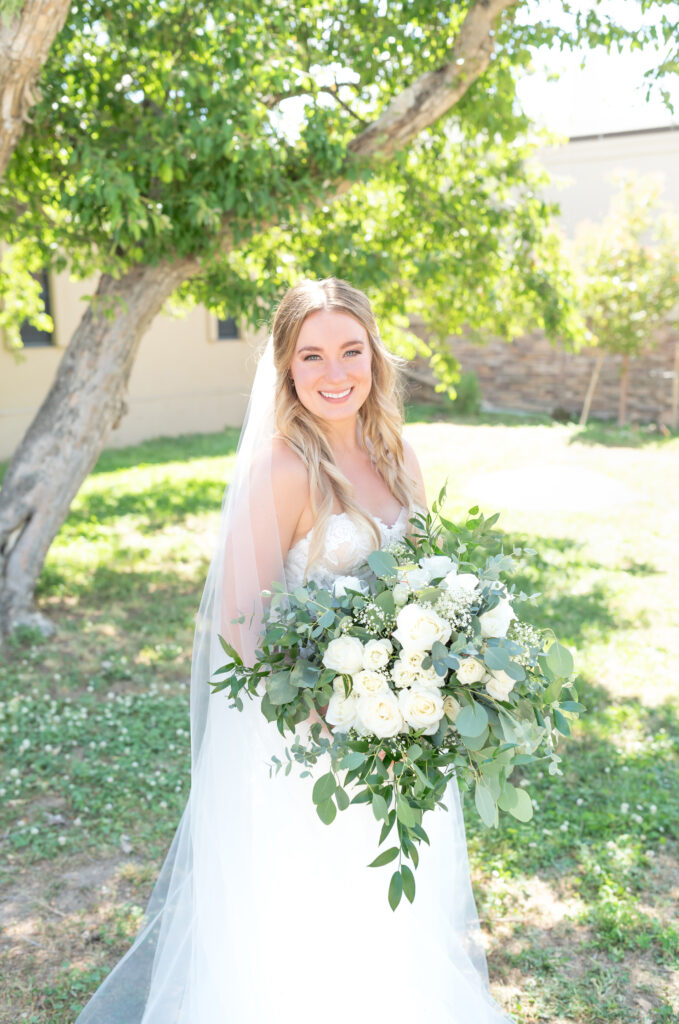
[(228, 750)]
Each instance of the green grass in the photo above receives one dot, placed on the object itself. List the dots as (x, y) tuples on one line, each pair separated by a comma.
[(579, 906)]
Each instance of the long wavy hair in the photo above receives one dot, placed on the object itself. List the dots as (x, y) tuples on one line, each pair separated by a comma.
[(380, 416)]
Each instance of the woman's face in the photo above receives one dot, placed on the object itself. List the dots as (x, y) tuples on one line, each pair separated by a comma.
[(331, 365)]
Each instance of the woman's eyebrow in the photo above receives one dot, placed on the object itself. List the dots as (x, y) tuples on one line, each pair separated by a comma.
[(345, 344)]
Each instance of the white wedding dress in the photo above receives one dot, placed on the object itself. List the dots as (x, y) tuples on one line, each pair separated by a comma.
[(280, 921)]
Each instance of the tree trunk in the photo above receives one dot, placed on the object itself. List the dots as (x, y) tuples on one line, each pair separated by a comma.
[(591, 387), (25, 41), (624, 382), (86, 400)]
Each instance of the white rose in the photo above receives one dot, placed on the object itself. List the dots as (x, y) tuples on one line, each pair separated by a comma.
[(461, 583), (496, 621), (342, 583), (418, 626), (437, 565), (499, 685), (451, 707), (403, 674), (341, 711), (368, 682), (413, 659), (470, 671), (376, 653), (415, 577), (344, 654), (380, 715), (428, 677), (401, 593), (422, 708)]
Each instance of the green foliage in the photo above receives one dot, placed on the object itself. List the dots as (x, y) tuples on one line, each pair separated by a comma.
[(204, 131), (629, 273)]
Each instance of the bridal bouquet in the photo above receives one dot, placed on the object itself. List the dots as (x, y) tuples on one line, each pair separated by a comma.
[(425, 670)]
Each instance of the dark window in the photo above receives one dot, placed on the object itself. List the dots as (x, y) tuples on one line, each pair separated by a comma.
[(227, 330), (30, 335)]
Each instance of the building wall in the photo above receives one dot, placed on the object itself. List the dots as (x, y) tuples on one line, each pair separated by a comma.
[(184, 380), (532, 375)]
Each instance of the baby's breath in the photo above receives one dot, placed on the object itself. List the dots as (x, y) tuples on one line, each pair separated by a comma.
[(530, 637), (375, 619), (455, 608)]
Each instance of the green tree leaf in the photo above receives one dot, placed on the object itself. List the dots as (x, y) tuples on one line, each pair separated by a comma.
[(324, 788), (395, 890)]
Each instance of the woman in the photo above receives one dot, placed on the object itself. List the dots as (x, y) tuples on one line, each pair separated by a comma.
[(262, 913)]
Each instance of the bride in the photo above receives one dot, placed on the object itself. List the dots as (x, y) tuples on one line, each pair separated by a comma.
[(261, 913)]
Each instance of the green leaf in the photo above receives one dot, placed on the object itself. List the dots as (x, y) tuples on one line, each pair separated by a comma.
[(508, 797), (471, 720), (485, 805), (405, 813), (385, 858), (408, 882), (382, 563), (413, 752), (561, 722), (380, 809), (342, 798), (324, 788), (572, 705), (385, 600), (327, 811), (523, 808), (496, 658), (354, 759), (395, 890), (304, 674), (560, 660), (552, 692), (279, 688)]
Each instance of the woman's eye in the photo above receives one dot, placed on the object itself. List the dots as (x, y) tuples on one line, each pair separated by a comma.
[(355, 351), (312, 356)]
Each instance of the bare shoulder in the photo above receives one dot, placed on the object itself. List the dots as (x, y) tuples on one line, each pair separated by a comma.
[(414, 470), (288, 472)]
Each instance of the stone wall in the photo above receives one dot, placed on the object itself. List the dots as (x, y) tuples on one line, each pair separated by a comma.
[(531, 374)]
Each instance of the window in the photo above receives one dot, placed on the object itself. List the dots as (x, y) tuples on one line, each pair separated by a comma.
[(227, 330), (30, 335)]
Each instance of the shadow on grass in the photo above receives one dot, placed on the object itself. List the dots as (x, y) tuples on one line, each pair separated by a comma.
[(159, 450), (636, 435), (158, 506), (430, 412)]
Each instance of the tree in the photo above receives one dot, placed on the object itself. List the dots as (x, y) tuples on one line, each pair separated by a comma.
[(629, 279), (27, 30), (162, 154)]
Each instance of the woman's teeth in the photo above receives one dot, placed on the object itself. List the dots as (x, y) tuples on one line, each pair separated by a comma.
[(335, 395)]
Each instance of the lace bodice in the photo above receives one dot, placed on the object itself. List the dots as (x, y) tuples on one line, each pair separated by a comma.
[(346, 546)]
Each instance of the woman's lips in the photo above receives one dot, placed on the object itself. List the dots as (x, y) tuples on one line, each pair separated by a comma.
[(336, 397)]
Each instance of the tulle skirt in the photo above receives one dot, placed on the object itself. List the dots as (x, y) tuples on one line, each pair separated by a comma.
[(264, 915)]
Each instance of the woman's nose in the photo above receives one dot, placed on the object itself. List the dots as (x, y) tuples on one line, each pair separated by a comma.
[(334, 370)]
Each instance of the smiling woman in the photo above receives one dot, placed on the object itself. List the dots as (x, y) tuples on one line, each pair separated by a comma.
[(331, 364)]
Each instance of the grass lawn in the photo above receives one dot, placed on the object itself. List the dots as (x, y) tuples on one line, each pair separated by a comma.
[(578, 906)]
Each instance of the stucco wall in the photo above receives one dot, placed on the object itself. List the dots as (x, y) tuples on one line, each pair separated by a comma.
[(184, 380)]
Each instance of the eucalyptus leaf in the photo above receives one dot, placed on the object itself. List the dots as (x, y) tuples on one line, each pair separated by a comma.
[(324, 788), (485, 805), (496, 658), (395, 890), (523, 808), (560, 660), (327, 811), (382, 563), (471, 720), (385, 858), (408, 883), (280, 689)]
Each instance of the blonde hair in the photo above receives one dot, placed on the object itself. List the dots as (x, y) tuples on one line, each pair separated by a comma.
[(380, 417)]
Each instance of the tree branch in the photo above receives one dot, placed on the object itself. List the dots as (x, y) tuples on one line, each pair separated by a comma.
[(435, 92)]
